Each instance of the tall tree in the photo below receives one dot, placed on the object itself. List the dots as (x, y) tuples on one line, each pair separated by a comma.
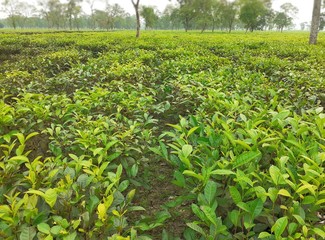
[(229, 11), (73, 8), (204, 9), (149, 15), (315, 22), (114, 12), (251, 13), (13, 9), (91, 4), (136, 4), (52, 10), (284, 18), (187, 13)]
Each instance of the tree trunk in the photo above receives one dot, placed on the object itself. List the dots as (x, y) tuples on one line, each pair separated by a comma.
[(136, 7), (70, 21), (315, 22), (203, 28)]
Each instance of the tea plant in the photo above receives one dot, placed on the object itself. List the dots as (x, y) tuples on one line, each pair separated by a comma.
[(88, 119)]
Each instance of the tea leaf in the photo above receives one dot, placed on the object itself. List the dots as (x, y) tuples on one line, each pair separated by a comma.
[(71, 236), (197, 211), (235, 194), (319, 232), (243, 206), (130, 195), (187, 150), (193, 174), (101, 211), (222, 172), (20, 158), (50, 197), (210, 214), (284, 192), (276, 175), (255, 207), (264, 235), (191, 131), (246, 157), (279, 226), (196, 228), (44, 228), (92, 204), (28, 233), (243, 144), (210, 191)]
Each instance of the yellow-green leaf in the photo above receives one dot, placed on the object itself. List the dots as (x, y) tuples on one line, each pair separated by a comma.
[(101, 211)]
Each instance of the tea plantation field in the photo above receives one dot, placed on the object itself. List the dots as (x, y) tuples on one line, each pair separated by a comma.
[(170, 136)]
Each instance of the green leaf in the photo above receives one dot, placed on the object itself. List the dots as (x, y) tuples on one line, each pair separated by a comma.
[(21, 138), (123, 185), (164, 151), (246, 157), (37, 192), (55, 230), (235, 217), (177, 127), (197, 211), (49, 237), (243, 206), (97, 151), (71, 236), (193, 174), (187, 150), (292, 228), (93, 202), (281, 115), (110, 144), (210, 214), (319, 232), (210, 191), (196, 228), (50, 197), (130, 195), (235, 194), (20, 158), (276, 175), (192, 130), (243, 144), (279, 226), (222, 172), (255, 207), (179, 179), (299, 219), (109, 200), (31, 135), (136, 208), (264, 235), (113, 156), (101, 211), (284, 192), (27, 233), (297, 144), (273, 193), (44, 228)]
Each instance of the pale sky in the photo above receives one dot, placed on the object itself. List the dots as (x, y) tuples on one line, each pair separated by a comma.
[(304, 6)]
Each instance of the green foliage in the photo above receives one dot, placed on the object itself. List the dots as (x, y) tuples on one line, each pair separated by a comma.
[(241, 123)]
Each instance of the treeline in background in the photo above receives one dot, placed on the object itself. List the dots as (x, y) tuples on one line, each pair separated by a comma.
[(200, 15)]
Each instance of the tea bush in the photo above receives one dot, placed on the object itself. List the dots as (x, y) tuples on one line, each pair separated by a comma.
[(238, 117)]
